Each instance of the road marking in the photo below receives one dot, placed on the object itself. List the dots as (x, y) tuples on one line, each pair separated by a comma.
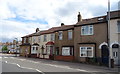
[(25, 60), (6, 62), (66, 67), (5, 57), (25, 67), (18, 65), (12, 57), (82, 70)]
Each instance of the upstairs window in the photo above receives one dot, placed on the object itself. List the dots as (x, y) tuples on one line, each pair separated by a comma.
[(60, 35), (39, 38), (69, 34), (33, 39), (87, 30), (24, 40), (45, 38), (52, 37), (29, 39)]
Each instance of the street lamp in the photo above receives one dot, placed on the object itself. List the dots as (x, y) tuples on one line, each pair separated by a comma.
[(16, 42), (109, 33)]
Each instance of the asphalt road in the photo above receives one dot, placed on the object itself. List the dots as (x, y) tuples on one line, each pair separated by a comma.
[(19, 64), (6, 67)]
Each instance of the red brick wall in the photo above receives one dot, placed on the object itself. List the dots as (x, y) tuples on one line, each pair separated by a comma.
[(33, 55), (64, 58)]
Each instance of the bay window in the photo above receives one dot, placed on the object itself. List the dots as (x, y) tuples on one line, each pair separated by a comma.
[(67, 50), (86, 51), (34, 49)]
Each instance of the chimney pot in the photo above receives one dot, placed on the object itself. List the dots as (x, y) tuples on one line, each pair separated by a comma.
[(37, 29), (79, 17), (62, 24)]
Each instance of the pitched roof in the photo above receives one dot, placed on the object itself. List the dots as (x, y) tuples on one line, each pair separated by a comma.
[(51, 30), (115, 14), (99, 19), (92, 20), (65, 27), (28, 35)]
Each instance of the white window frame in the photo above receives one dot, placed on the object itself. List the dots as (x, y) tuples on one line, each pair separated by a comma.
[(115, 54), (35, 50), (33, 39), (65, 51), (52, 37), (60, 36), (45, 38), (48, 49), (70, 34), (39, 38), (24, 40), (85, 51), (88, 32)]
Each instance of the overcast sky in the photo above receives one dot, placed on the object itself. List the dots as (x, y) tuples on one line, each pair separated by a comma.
[(22, 17)]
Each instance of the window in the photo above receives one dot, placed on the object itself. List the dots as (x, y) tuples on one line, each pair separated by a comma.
[(114, 54), (67, 50), (87, 30), (86, 51), (60, 35), (39, 38), (45, 38), (70, 34), (29, 40), (33, 39), (48, 49), (118, 26), (52, 37), (34, 50), (24, 40)]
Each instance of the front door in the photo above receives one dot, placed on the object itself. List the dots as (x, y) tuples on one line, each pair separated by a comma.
[(116, 53), (105, 55)]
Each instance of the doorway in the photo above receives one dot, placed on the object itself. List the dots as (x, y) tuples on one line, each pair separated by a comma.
[(105, 55)]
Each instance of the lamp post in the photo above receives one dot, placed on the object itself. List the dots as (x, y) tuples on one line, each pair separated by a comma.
[(16, 42), (109, 33)]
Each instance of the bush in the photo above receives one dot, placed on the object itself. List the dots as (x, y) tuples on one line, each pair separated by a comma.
[(4, 49)]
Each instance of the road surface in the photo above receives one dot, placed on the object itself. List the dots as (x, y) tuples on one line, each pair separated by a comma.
[(10, 63)]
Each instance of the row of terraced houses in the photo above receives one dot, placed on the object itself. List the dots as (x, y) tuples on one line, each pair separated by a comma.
[(85, 41)]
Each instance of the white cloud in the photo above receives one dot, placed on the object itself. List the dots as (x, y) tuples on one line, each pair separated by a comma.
[(52, 11)]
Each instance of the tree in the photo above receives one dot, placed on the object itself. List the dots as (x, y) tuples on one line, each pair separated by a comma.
[(4, 48)]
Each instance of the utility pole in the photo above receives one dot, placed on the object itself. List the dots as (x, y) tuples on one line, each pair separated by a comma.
[(16, 42), (109, 33)]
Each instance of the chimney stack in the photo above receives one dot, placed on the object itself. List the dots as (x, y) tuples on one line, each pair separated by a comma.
[(37, 30), (62, 24), (79, 17)]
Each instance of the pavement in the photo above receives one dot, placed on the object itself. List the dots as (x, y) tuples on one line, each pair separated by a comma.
[(50, 66)]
